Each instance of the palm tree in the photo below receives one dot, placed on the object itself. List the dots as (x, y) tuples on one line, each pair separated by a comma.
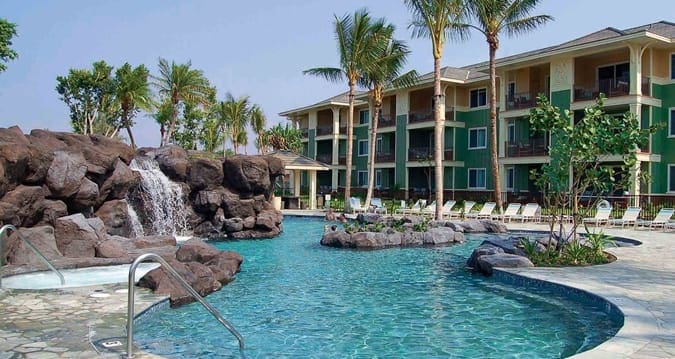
[(438, 20), (178, 83), (493, 17), (356, 47), (258, 123), (233, 115), (384, 70), (132, 92)]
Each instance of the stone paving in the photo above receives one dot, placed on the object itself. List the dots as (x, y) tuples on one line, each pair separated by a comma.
[(64, 323)]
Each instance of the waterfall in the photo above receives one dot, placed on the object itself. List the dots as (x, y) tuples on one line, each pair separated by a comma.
[(162, 207), (134, 222)]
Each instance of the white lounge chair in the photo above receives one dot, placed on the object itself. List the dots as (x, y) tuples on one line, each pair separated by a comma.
[(629, 217), (467, 209), (355, 205), (417, 207), (485, 212), (377, 206), (402, 208), (429, 210), (447, 208), (662, 219), (601, 216), (531, 211), (511, 211)]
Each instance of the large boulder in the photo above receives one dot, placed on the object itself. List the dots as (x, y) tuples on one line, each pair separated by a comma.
[(117, 147), (482, 250), (115, 217), (486, 263), (15, 251), (23, 207), (86, 196), (173, 161), (205, 173), (339, 239), (51, 210), (233, 206), (14, 158), (111, 247), (117, 185), (225, 265), (209, 201), (99, 159), (77, 236), (196, 250), (162, 283), (65, 174), (248, 175)]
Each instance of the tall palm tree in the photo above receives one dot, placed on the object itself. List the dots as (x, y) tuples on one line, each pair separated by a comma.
[(438, 20), (178, 83), (356, 48), (384, 70), (132, 93), (258, 123), (234, 114), (493, 17)]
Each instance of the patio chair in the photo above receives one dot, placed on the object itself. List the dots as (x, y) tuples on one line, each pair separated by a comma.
[(662, 219), (466, 210), (417, 207), (447, 208), (629, 217), (429, 210), (485, 212), (511, 211), (355, 205), (601, 216), (377, 206), (403, 208), (531, 211)]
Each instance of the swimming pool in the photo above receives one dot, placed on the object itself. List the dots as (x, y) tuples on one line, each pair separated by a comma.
[(297, 299), (79, 277)]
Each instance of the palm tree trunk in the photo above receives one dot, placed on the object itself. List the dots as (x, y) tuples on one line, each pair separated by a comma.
[(125, 119), (172, 124), (493, 128), (438, 137), (371, 153), (350, 144), (224, 140)]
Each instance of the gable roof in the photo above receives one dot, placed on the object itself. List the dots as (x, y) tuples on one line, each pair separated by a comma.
[(338, 100), (294, 161)]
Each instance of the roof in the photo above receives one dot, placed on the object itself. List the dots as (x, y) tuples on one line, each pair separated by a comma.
[(339, 100), (294, 161)]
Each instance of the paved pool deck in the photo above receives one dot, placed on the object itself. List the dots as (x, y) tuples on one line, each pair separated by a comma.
[(64, 323)]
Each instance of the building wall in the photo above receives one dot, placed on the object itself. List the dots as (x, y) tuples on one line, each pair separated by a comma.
[(661, 143)]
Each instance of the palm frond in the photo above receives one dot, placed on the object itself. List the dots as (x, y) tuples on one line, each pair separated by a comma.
[(522, 26), (331, 74)]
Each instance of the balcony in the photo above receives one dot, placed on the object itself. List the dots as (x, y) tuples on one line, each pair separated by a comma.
[(610, 88), (326, 158), (304, 132), (427, 116), (383, 157), (427, 153), (324, 130), (520, 101), (646, 86), (386, 121), (528, 148)]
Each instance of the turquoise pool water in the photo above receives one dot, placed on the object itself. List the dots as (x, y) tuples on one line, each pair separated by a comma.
[(297, 299)]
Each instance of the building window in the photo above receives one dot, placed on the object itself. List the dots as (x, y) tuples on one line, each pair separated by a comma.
[(364, 117), (378, 178), (510, 178), (672, 66), (477, 178), (363, 148), (511, 133), (671, 178), (378, 145), (477, 138), (362, 179), (511, 91), (478, 97), (612, 76), (671, 123)]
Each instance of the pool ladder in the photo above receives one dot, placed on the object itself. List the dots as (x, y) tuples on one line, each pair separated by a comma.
[(130, 311), (33, 248)]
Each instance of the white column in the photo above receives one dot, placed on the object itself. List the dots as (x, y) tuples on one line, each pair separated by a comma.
[(636, 52), (634, 189), (312, 189), (296, 182)]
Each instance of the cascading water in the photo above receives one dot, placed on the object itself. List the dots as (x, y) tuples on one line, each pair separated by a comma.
[(134, 222), (163, 207)]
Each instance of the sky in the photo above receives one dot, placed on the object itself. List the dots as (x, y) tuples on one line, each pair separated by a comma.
[(257, 48)]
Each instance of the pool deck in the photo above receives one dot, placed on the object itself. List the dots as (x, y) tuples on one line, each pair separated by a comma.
[(63, 323)]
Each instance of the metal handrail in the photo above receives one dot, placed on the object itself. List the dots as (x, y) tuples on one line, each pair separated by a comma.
[(33, 248), (186, 285)]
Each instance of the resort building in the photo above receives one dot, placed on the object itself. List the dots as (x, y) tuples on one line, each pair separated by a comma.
[(634, 68)]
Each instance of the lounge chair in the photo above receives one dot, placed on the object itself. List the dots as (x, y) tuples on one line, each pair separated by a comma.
[(417, 207), (662, 219), (485, 212), (466, 210), (629, 217), (447, 208), (601, 216), (531, 211), (377, 206), (402, 208), (511, 211), (355, 205), (429, 210)]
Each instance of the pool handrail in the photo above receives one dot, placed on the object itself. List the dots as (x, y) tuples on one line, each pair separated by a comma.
[(130, 304), (33, 248)]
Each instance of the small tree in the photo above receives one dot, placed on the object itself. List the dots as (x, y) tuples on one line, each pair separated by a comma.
[(578, 159), (7, 31)]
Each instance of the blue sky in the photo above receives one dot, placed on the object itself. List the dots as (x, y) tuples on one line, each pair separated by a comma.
[(256, 48)]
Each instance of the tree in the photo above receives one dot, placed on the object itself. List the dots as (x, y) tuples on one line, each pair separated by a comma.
[(438, 20), (179, 83), (7, 31), (356, 48), (90, 96), (258, 123), (132, 93), (582, 150), (233, 115), (385, 69), (492, 17), (284, 138), (211, 135)]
